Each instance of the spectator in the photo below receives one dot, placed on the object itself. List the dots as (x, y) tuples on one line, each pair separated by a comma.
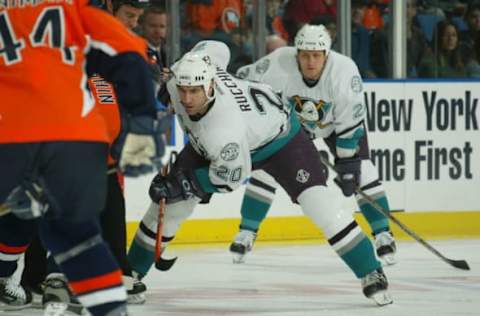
[(428, 16), (214, 19), (300, 12), (417, 45), (372, 16), (153, 27), (274, 19), (361, 41), (467, 37), (128, 12), (273, 42), (241, 52), (447, 61), (473, 66)]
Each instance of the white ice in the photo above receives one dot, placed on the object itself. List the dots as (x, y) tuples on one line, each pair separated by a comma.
[(307, 280)]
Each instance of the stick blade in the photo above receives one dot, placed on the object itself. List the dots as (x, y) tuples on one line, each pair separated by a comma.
[(165, 264), (459, 264)]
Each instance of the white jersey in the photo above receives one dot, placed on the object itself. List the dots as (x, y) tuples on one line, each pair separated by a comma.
[(247, 122), (334, 104)]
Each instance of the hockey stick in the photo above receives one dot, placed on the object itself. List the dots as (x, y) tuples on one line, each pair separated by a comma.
[(163, 264), (460, 264), (4, 209)]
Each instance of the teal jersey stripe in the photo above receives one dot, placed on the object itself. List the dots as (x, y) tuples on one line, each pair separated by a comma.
[(277, 144), (204, 180)]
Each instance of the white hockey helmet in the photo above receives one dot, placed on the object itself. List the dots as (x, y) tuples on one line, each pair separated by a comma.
[(194, 70), (313, 37)]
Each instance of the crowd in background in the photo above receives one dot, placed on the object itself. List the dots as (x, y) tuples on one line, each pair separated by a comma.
[(442, 35)]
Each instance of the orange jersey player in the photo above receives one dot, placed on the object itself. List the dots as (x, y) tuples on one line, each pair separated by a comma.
[(53, 142)]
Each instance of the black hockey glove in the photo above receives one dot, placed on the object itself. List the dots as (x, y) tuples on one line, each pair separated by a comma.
[(175, 187), (348, 174)]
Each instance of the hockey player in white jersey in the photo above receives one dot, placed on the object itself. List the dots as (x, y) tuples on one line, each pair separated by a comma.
[(326, 89), (235, 126)]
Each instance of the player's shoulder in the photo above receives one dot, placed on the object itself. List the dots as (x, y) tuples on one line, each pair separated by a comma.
[(342, 62), (279, 62), (224, 125), (218, 52)]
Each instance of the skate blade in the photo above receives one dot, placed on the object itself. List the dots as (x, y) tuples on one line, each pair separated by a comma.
[(136, 299), (238, 258), (382, 298), (11, 308), (388, 260), (63, 309), (55, 309)]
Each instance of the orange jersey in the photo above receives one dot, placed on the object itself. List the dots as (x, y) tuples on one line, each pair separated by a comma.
[(43, 84), (107, 105)]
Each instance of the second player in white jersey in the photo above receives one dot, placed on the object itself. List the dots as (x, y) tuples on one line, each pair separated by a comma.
[(334, 103), (326, 90)]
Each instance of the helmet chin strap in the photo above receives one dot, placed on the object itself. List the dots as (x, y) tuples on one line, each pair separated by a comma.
[(209, 98)]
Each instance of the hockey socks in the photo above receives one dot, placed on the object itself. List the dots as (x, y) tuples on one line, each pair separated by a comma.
[(255, 205), (141, 254), (15, 235), (377, 221), (355, 249)]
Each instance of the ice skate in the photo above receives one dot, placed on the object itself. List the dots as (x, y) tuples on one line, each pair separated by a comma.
[(242, 244), (375, 286), (386, 248), (13, 296), (135, 289), (58, 299)]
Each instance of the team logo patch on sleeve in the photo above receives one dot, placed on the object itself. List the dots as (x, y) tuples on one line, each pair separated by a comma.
[(230, 152), (356, 84), (262, 66), (243, 73)]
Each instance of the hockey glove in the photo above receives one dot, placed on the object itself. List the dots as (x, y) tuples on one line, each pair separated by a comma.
[(27, 201), (141, 146), (175, 187), (348, 174)]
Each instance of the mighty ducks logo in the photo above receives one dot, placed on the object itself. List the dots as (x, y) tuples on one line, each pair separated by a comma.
[(311, 112)]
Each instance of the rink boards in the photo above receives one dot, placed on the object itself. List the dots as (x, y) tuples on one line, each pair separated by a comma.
[(424, 139)]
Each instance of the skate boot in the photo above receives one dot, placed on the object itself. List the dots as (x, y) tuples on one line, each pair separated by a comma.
[(385, 247), (58, 299), (37, 294), (375, 286), (242, 244), (135, 289), (13, 296)]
